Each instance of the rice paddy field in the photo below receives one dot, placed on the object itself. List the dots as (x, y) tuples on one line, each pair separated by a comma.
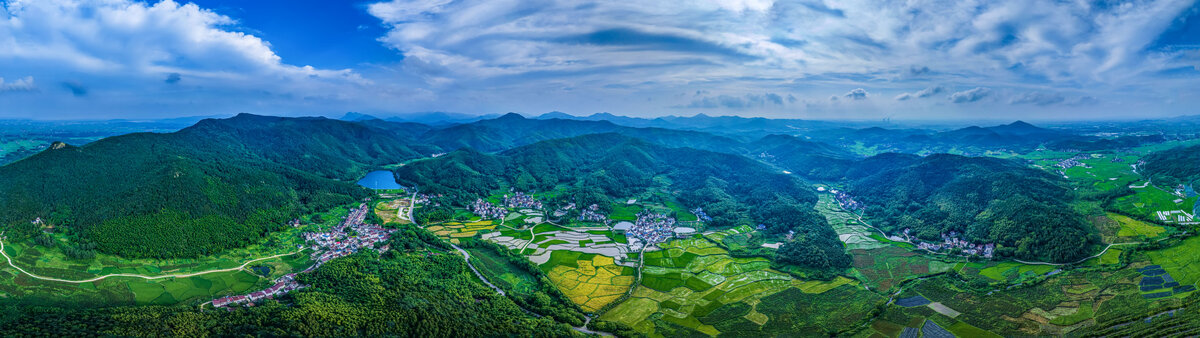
[(1072, 302), (1146, 202), (692, 286), (590, 280), (453, 231)]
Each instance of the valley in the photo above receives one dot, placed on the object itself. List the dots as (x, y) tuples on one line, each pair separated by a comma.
[(616, 234)]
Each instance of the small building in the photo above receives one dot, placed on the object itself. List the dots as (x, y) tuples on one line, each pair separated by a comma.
[(623, 226), (684, 232)]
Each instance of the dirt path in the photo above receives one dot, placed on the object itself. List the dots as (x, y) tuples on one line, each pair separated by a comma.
[(243, 266)]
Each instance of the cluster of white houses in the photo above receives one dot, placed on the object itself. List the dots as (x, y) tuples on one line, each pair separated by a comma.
[(951, 241), (486, 210), (326, 246), (520, 200)]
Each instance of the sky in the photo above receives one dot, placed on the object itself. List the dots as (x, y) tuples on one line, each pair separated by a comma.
[(845, 59)]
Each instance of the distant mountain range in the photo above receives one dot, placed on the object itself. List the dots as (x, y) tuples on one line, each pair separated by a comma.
[(142, 194)]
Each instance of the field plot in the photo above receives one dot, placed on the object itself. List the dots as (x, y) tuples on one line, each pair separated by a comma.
[(503, 273), (1153, 203), (132, 290), (452, 231), (692, 286), (850, 231), (1181, 261), (1135, 228), (1105, 172), (395, 210), (1060, 305), (590, 280), (1004, 271), (885, 267)]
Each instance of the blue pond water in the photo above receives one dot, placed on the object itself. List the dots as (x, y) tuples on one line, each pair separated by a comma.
[(379, 180)]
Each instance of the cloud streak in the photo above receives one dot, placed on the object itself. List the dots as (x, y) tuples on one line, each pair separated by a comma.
[(971, 95), (24, 84)]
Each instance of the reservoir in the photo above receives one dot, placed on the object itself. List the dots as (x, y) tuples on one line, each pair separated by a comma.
[(381, 179)]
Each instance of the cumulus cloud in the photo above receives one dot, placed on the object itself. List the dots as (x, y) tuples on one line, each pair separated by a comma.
[(134, 46), (971, 95), (1038, 98), (24, 84), (856, 94)]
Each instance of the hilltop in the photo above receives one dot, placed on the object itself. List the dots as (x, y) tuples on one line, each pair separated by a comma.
[(220, 184)]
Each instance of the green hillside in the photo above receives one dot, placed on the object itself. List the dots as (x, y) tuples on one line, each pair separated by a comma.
[(217, 185), (733, 189), (1023, 210)]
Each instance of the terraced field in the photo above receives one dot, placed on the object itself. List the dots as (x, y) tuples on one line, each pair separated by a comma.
[(692, 286), (850, 231), (885, 267), (452, 231), (590, 280)]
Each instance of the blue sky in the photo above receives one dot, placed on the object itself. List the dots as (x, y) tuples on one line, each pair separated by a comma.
[(848, 59)]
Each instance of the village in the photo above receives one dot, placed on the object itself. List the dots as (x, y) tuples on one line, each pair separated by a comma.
[(348, 237), (520, 200), (486, 210), (951, 242), (649, 227), (592, 214)]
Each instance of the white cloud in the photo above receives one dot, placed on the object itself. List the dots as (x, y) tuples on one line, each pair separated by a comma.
[(924, 93), (739, 46), (24, 84), (856, 94), (131, 46), (971, 95)]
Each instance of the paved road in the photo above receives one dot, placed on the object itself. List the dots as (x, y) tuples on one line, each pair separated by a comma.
[(467, 257), (1079, 261), (243, 266)]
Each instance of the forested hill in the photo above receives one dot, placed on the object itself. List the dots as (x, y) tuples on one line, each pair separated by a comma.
[(1017, 136), (733, 189), (987, 200), (513, 130), (1175, 166), (217, 185), (805, 158)]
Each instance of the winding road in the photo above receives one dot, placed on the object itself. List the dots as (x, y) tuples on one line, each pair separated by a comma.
[(467, 257), (1079, 261), (243, 266)]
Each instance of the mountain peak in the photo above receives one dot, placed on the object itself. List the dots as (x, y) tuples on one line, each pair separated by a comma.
[(511, 116), (353, 116), (555, 115), (1021, 124)]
